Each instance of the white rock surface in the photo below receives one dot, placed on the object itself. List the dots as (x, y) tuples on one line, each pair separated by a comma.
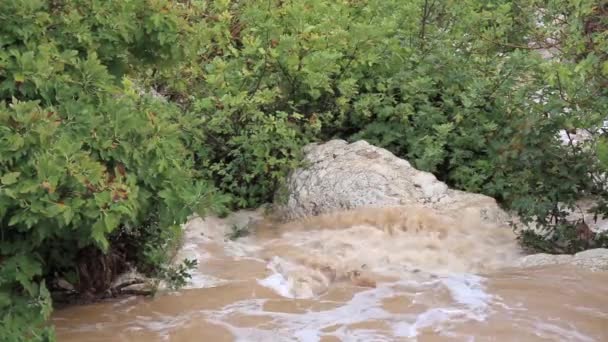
[(592, 259), (342, 176)]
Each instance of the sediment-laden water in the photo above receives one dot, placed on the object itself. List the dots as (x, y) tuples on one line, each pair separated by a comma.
[(392, 274)]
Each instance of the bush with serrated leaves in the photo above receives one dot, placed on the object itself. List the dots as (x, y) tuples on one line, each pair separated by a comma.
[(83, 154), (459, 88)]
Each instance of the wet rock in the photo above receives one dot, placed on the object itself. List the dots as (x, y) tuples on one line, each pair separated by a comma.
[(133, 282), (342, 176), (64, 285), (140, 289), (130, 276), (544, 259), (592, 259)]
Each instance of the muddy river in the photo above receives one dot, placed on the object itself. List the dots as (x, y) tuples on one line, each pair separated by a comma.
[(392, 274)]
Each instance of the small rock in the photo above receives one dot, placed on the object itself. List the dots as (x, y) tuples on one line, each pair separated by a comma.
[(65, 285), (133, 283), (129, 277), (544, 259), (592, 259), (140, 289)]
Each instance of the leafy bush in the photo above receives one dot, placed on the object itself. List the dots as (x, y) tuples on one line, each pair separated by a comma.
[(457, 87), (82, 154)]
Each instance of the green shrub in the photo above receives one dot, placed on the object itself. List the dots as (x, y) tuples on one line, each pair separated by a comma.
[(83, 155), (453, 86)]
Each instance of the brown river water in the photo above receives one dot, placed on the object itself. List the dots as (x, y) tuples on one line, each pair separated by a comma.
[(393, 274)]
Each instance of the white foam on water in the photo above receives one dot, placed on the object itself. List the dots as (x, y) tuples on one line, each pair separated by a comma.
[(278, 283), (468, 290), (469, 302), (364, 306), (590, 311), (291, 280), (359, 335), (552, 331), (307, 335)]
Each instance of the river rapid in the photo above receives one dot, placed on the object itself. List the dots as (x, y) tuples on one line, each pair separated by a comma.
[(390, 274)]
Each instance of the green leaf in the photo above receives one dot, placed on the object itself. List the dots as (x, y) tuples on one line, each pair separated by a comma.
[(27, 269), (10, 178), (602, 152), (111, 221), (5, 299), (98, 234)]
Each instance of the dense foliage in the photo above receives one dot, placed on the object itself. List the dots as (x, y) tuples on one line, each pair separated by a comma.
[(83, 156), (96, 171), (457, 87)]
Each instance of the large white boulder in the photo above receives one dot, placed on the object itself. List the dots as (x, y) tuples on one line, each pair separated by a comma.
[(342, 176)]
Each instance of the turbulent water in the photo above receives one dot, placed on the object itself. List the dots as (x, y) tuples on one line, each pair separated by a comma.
[(393, 274)]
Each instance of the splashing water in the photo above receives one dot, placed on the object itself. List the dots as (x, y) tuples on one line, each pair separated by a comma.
[(391, 274)]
